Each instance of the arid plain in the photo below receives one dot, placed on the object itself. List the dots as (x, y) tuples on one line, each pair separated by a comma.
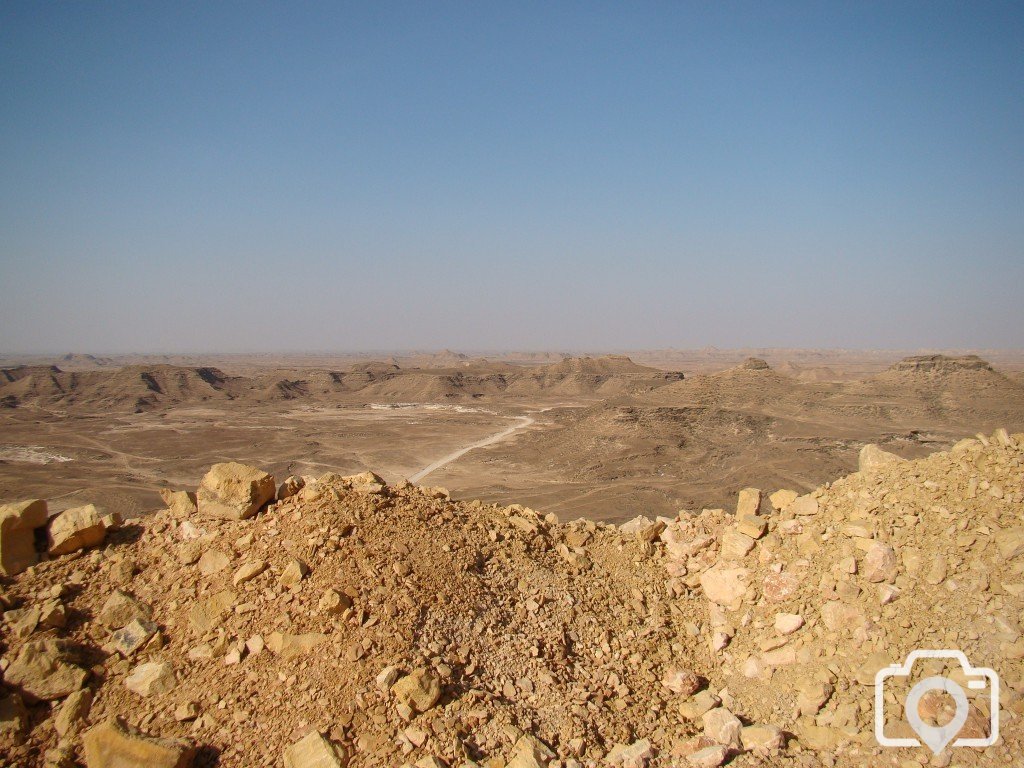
[(606, 437)]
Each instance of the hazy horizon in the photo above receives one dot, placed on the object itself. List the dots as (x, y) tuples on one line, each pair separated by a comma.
[(570, 177), (471, 352)]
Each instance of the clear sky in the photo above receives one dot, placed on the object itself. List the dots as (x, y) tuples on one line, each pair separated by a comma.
[(345, 176)]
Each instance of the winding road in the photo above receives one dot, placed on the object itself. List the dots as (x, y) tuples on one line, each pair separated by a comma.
[(521, 423)]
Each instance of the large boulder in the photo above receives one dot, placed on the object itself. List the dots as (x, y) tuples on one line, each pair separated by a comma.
[(181, 503), (112, 744), (42, 671), (291, 486), (234, 491), (18, 522), (75, 529), (874, 458)]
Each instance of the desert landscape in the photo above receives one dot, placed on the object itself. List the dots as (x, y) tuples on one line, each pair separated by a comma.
[(511, 385), (597, 436)]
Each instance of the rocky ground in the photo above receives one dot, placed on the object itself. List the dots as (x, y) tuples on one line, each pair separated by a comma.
[(340, 621)]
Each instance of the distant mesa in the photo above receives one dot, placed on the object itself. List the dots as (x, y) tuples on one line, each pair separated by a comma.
[(604, 365), (940, 364), (755, 364), (376, 367), (74, 357), (446, 358)]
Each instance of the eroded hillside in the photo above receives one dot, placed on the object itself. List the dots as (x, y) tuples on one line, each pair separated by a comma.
[(383, 625)]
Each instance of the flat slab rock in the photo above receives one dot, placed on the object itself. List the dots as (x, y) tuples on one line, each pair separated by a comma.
[(112, 744)]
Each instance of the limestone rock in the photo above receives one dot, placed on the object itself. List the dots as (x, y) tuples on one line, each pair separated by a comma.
[(735, 545), (529, 752), (131, 637), (709, 757), (366, 482), (749, 502), (154, 678), (248, 571), (75, 529), (652, 532), (782, 498), (838, 616), (695, 708), (22, 621), (753, 526), (766, 737), (1010, 542), (289, 646), (722, 727), (637, 524), (18, 522), (186, 711), (121, 608), (334, 602), (387, 677), (181, 503), (873, 458), (213, 561), (803, 506), (788, 623), (291, 486), (681, 681), (208, 613), (43, 672), (234, 491), (880, 563), (633, 755), (818, 737), (53, 614), (113, 745), (419, 690), (314, 751), (812, 696), (73, 712), (725, 586), (293, 573)]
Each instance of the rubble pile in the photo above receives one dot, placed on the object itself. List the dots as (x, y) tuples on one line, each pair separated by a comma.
[(337, 621)]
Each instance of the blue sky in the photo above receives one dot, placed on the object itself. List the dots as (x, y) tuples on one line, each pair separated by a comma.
[(304, 176)]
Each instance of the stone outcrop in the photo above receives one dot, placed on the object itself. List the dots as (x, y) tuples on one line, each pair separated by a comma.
[(234, 491), (872, 458), (76, 528), (18, 523)]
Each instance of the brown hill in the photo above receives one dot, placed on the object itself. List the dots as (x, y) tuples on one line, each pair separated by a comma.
[(132, 387), (940, 364), (607, 375)]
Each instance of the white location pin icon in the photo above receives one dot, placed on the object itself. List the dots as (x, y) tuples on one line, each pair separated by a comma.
[(937, 737)]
